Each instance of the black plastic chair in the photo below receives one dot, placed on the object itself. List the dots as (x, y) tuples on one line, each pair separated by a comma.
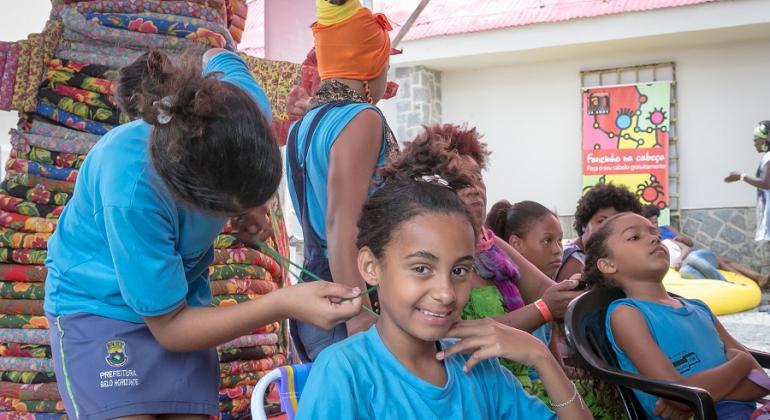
[(584, 324)]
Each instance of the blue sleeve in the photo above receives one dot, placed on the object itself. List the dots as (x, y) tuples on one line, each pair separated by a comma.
[(608, 326), (667, 233), (329, 392), (149, 271), (234, 70), (513, 402)]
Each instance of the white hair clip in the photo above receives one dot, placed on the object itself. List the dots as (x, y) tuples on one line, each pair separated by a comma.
[(433, 179), (163, 105)]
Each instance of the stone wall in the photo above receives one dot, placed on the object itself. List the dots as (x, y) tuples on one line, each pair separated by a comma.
[(727, 231), (418, 101)]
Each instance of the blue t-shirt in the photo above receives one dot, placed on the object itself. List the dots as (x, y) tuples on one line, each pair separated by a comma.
[(124, 248), (666, 233), (687, 336), (316, 164), (359, 378)]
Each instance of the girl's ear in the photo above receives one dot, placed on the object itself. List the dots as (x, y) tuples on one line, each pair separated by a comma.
[(368, 266), (516, 242), (606, 266)]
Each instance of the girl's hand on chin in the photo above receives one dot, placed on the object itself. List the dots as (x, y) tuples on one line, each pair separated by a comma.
[(487, 338)]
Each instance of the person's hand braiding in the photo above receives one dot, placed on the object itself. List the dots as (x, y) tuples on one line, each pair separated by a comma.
[(558, 296), (320, 303)]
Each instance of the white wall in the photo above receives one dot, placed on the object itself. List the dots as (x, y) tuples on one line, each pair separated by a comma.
[(530, 115)]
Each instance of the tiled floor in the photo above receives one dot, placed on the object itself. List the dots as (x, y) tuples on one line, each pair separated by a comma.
[(752, 328)]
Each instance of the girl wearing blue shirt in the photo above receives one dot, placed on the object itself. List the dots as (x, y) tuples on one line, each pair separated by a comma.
[(663, 337), (417, 245), (127, 292)]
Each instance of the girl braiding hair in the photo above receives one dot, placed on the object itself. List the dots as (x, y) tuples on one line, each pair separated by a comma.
[(128, 266)]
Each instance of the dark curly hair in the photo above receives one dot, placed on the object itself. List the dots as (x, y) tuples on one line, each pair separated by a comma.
[(429, 153), (596, 249), (650, 210), (602, 196), (403, 195), (463, 140), (217, 152)]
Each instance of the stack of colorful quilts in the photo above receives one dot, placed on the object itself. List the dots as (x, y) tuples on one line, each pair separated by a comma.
[(281, 76), (237, 10), (240, 274), (63, 82), (23, 67)]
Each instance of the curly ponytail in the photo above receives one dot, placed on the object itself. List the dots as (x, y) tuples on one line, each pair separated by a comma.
[(506, 219), (404, 195), (496, 219), (210, 142)]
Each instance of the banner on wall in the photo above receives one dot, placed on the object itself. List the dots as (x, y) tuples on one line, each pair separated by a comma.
[(625, 140)]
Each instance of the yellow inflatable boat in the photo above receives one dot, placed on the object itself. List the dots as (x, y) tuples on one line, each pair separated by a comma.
[(737, 294)]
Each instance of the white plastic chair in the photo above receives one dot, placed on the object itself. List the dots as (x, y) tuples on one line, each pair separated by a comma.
[(291, 379), (258, 395)]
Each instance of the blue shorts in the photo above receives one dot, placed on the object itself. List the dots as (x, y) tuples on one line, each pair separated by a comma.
[(106, 368)]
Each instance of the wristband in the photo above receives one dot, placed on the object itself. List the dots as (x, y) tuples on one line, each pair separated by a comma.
[(743, 177), (544, 311)]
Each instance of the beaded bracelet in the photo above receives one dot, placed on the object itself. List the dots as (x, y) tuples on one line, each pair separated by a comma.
[(570, 401)]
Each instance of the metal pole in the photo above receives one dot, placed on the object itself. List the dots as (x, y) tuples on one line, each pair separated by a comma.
[(409, 22)]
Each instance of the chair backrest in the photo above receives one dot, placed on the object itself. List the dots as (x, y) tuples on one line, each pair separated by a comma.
[(291, 381), (585, 321)]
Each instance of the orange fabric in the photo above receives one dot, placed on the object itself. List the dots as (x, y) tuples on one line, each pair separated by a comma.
[(236, 33), (237, 22), (357, 48)]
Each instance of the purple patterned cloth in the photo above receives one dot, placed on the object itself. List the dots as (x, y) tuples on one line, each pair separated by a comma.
[(494, 265), (23, 141), (78, 29), (8, 78), (211, 12)]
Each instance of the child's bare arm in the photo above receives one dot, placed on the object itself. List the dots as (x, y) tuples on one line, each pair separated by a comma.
[(746, 390), (486, 338), (633, 337)]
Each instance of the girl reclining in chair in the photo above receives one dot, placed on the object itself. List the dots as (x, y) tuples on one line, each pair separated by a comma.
[(663, 337)]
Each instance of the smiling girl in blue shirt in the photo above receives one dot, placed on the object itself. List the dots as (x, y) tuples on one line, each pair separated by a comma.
[(417, 245)]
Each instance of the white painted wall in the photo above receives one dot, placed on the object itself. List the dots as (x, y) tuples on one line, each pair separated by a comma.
[(530, 116)]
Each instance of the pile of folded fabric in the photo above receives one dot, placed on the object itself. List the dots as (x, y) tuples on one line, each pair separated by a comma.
[(281, 76), (62, 81), (237, 10), (240, 274)]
